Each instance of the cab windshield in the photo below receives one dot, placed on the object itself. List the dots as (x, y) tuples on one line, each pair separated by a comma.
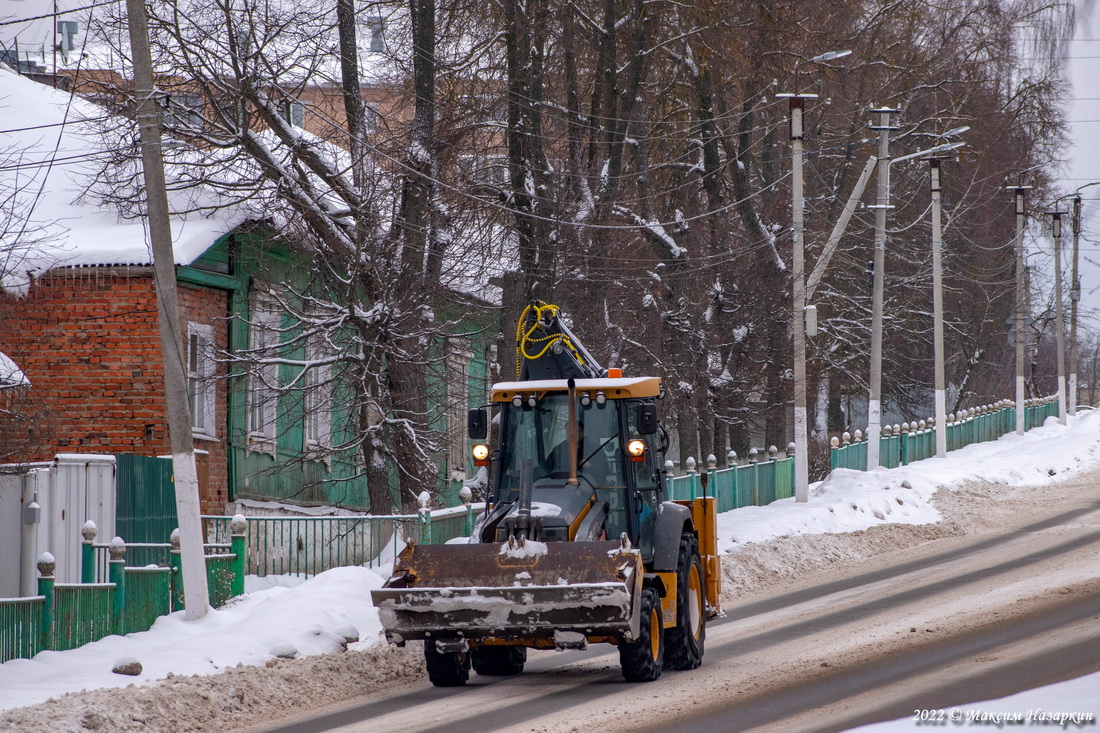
[(541, 434)]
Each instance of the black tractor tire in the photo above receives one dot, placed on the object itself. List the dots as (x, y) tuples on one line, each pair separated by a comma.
[(446, 669), (684, 642), (643, 658), (498, 660)]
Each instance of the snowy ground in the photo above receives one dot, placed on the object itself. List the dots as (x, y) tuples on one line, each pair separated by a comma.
[(244, 644)]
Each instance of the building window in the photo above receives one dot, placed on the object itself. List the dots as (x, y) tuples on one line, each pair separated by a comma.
[(458, 396), (200, 378), (183, 111), (264, 375), (376, 28), (294, 112), (318, 398), (484, 170), (373, 117)]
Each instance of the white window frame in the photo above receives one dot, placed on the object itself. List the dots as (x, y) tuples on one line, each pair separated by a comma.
[(201, 366), (263, 399), (318, 398)]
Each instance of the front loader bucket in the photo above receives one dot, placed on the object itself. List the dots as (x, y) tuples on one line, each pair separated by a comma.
[(488, 591)]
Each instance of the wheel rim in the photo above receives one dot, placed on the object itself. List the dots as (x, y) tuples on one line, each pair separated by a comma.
[(695, 601), (654, 633)]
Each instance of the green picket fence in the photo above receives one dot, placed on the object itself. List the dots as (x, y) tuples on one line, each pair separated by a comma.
[(21, 635), (755, 484), (117, 600), (900, 445)]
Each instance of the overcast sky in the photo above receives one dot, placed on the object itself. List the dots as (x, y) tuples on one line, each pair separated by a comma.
[(1083, 111)]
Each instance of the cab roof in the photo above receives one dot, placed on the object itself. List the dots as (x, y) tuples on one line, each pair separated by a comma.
[(612, 387)]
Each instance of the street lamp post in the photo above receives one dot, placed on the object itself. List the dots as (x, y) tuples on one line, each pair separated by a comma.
[(798, 300), (1074, 296), (1018, 193), (937, 309), (1059, 318), (882, 203), (798, 285)]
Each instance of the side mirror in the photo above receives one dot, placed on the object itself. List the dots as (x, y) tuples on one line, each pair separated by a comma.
[(647, 418), (477, 424)]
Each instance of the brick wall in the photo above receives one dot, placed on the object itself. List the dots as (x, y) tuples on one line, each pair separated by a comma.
[(89, 342)]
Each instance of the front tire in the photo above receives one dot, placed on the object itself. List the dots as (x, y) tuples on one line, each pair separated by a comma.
[(446, 669), (684, 642), (498, 660), (643, 658)]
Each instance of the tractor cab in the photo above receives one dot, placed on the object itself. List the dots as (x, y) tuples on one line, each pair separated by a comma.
[(596, 481)]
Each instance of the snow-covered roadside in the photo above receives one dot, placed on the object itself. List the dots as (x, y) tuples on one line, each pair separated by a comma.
[(849, 501), (313, 616)]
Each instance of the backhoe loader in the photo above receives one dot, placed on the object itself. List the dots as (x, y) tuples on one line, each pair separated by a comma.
[(577, 544)]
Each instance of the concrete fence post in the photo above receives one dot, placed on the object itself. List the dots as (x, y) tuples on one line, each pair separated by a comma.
[(466, 496), (117, 575), (176, 563), (238, 545), (87, 552), (46, 567), (425, 515)]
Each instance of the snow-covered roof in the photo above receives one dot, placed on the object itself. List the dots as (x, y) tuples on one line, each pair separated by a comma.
[(48, 153), (10, 374)]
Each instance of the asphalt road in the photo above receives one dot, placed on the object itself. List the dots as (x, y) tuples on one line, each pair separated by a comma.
[(951, 621)]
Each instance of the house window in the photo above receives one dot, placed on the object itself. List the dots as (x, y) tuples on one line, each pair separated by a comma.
[(294, 112), (458, 395), (373, 117), (264, 375), (376, 27), (484, 170), (318, 397), (183, 111), (200, 378)]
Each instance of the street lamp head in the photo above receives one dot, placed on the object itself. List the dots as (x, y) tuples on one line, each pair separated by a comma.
[(956, 131), (830, 56)]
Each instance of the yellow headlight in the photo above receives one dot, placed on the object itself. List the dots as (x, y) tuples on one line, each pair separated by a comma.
[(636, 448), (480, 452)]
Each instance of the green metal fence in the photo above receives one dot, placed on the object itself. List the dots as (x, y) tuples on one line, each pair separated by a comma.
[(903, 444), (21, 627), (148, 597), (754, 484), (82, 614)]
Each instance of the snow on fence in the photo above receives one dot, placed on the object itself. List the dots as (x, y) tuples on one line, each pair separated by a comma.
[(756, 483), (900, 445)]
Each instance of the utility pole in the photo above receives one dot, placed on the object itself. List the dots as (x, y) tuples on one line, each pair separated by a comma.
[(1059, 317), (195, 593), (798, 300), (937, 308), (1018, 193), (1074, 296), (882, 203)]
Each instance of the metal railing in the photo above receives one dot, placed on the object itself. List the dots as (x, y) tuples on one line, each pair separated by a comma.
[(900, 445), (756, 483)]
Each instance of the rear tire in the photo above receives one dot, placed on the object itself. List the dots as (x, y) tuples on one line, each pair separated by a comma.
[(446, 669), (684, 642), (498, 660), (642, 658)]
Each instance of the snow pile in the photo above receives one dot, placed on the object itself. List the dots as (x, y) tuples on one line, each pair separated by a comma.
[(310, 618), (849, 501)]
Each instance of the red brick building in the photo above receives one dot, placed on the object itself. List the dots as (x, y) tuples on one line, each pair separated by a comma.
[(89, 342)]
